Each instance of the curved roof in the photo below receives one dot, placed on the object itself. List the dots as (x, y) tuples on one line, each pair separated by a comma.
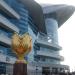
[(37, 12), (62, 12)]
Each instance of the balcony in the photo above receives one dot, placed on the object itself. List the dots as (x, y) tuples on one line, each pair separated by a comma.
[(5, 41), (45, 41), (51, 55), (8, 10), (6, 24), (7, 59), (47, 44)]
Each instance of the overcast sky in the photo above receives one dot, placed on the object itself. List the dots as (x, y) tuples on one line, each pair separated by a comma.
[(66, 34)]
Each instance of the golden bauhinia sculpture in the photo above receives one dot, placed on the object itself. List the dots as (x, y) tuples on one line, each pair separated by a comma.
[(21, 45)]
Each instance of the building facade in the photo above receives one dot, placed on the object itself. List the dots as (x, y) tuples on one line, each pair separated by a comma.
[(42, 24), (14, 17)]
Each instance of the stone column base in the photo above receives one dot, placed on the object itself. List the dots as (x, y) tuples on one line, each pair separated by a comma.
[(20, 69)]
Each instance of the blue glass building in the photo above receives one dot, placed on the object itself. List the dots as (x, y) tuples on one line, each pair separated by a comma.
[(41, 23)]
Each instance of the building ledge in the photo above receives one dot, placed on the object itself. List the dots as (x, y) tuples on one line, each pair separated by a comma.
[(47, 44), (6, 24), (51, 55), (5, 41), (6, 59), (8, 10)]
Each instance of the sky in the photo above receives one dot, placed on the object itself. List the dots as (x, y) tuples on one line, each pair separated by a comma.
[(66, 34)]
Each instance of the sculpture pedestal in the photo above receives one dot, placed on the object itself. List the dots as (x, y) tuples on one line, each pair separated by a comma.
[(20, 69)]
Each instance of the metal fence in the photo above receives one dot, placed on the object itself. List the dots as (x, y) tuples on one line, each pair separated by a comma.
[(40, 73)]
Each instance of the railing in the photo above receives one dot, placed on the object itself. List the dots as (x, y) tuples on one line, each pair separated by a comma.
[(52, 55), (51, 73), (40, 73)]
